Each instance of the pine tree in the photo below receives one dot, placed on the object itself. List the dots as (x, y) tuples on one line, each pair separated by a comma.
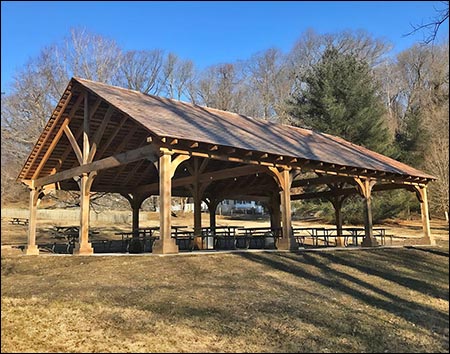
[(410, 138), (338, 96)]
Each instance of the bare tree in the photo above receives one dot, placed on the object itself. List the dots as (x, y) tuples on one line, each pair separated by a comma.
[(216, 87), (177, 76), (141, 71), (37, 88), (269, 81), (91, 56), (431, 28)]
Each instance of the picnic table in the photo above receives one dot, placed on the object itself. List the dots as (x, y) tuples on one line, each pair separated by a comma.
[(70, 234), (259, 237), (219, 237), (18, 221), (146, 236), (352, 235), (316, 234), (184, 239)]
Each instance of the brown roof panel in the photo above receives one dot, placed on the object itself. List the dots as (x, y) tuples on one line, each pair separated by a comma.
[(176, 119)]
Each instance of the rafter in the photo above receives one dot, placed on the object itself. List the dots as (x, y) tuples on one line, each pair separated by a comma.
[(99, 133), (107, 144), (106, 163), (73, 143)]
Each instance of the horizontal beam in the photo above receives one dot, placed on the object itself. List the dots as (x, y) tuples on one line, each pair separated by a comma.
[(103, 164), (205, 177), (321, 180), (349, 191)]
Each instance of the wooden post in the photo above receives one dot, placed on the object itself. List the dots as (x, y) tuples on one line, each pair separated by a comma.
[(365, 188), (135, 201), (284, 180), (165, 244), (83, 247), (31, 248), (275, 213), (212, 213), (86, 146), (197, 210), (337, 204), (421, 192), (135, 220)]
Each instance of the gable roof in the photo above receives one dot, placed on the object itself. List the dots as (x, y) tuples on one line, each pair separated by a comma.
[(175, 119)]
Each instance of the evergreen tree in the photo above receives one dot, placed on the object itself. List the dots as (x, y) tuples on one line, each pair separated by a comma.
[(410, 138), (338, 96)]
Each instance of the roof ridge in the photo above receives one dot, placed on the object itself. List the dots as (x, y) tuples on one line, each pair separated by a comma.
[(258, 119)]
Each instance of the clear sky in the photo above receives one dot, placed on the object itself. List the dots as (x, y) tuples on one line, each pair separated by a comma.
[(207, 32)]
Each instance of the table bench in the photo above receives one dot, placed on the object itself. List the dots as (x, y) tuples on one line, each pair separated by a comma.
[(184, 239), (70, 235), (259, 237), (19, 221)]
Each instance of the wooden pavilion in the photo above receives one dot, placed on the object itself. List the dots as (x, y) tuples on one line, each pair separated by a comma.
[(103, 138)]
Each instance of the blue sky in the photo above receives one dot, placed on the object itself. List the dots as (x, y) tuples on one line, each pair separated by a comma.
[(205, 32)]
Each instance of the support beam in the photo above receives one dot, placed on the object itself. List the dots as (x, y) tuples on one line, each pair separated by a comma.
[(320, 180), (86, 128), (275, 212), (99, 133), (365, 189), (113, 134), (350, 191), (421, 193), (103, 164), (166, 244), (284, 180), (206, 177), (31, 248), (337, 202), (73, 142), (83, 247), (51, 125), (212, 206)]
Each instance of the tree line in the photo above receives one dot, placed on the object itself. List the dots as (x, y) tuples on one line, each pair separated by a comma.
[(347, 84)]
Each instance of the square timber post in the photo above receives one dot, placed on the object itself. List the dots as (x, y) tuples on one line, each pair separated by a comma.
[(166, 244), (31, 249)]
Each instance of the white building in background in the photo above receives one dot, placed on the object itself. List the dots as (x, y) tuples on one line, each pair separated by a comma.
[(226, 207), (229, 207)]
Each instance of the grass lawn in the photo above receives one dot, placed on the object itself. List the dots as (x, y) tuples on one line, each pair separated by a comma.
[(378, 300)]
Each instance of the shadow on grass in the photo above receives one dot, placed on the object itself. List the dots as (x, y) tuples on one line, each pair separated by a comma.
[(429, 250), (414, 312), (377, 268)]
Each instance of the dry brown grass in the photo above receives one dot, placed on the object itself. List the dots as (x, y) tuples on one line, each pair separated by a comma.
[(380, 300), (383, 300)]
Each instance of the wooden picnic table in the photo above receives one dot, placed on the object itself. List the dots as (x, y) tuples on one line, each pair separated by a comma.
[(70, 234), (18, 221), (184, 239), (143, 238), (259, 237), (351, 235)]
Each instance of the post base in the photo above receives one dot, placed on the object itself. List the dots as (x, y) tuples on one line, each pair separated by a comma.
[(429, 241), (287, 244), (161, 247), (84, 249), (198, 242), (340, 241), (31, 250), (369, 242)]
